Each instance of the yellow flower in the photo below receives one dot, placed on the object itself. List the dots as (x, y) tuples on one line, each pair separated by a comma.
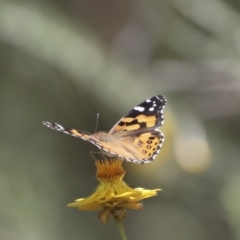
[(113, 195)]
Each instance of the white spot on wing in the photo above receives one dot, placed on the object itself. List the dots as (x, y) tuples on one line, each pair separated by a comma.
[(139, 108), (151, 109), (60, 127)]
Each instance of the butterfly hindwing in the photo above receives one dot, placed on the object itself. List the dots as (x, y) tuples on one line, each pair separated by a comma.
[(150, 144)]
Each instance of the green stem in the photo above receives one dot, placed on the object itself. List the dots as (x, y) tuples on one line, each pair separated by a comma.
[(121, 229)]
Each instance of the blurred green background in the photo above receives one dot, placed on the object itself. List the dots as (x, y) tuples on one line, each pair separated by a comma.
[(65, 61)]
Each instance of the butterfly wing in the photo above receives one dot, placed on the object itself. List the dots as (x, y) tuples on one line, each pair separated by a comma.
[(144, 117), (148, 146), (99, 139), (141, 126), (70, 131)]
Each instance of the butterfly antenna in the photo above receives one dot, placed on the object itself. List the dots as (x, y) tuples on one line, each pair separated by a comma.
[(97, 122)]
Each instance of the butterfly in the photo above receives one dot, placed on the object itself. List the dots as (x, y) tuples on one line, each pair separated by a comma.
[(134, 138)]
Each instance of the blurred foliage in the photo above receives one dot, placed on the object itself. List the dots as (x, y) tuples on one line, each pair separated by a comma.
[(66, 61)]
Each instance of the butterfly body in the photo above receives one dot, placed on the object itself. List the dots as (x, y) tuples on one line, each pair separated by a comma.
[(134, 138), (104, 136)]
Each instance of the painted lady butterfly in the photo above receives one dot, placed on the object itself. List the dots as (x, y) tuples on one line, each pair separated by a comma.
[(134, 138)]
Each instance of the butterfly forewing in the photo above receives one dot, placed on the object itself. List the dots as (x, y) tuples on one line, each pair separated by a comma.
[(147, 115), (67, 130)]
